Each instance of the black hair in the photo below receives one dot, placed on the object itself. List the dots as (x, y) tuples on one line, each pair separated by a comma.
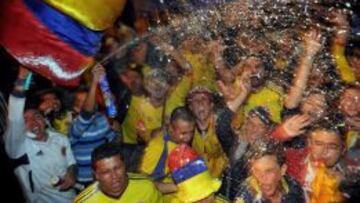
[(181, 113), (333, 122), (39, 94), (264, 148), (105, 151)]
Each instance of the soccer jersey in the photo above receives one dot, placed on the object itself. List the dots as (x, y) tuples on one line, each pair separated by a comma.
[(139, 190), (37, 162)]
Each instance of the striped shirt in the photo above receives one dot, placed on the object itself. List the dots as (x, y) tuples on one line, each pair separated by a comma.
[(88, 131)]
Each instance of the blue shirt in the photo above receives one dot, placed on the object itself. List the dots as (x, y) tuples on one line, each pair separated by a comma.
[(88, 131)]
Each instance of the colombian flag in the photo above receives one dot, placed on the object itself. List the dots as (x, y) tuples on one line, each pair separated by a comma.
[(56, 38)]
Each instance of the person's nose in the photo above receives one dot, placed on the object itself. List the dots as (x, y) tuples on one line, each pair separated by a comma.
[(263, 178), (324, 151), (115, 174)]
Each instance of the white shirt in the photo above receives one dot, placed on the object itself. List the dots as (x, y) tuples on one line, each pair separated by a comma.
[(45, 159)]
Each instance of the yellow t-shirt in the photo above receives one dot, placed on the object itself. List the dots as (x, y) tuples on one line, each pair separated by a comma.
[(203, 72), (62, 123), (153, 153), (151, 158), (139, 189), (345, 71), (178, 94), (351, 138), (209, 147), (141, 111), (270, 97)]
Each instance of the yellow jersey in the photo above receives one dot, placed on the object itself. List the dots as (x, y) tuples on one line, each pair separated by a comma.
[(270, 97), (209, 147), (344, 69), (139, 190), (141, 111)]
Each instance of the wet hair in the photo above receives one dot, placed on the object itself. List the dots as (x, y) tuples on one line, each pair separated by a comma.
[(158, 75), (181, 113), (333, 122), (199, 90), (264, 148), (105, 151)]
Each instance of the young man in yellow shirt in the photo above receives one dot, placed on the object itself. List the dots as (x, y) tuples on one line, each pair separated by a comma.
[(113, 183)]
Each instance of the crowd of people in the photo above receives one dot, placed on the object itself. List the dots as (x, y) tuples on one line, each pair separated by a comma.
[(225, 104)]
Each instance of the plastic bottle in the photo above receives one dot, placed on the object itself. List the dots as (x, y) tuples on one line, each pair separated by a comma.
[(108, 97)]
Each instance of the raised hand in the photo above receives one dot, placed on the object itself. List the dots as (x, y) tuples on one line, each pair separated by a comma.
[(98, 72), (141, 131), (338, 18), (312, 41), (295, 125)]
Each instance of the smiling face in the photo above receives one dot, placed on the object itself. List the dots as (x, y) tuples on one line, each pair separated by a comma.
[(34, 122), (182, 131), (111, 174)]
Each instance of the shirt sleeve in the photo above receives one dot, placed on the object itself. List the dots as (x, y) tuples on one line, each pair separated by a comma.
[(224, 130), (69, 153), (344, 69), (14, 137)]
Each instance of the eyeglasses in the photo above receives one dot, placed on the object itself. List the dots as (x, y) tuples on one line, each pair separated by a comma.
[(329, 146)]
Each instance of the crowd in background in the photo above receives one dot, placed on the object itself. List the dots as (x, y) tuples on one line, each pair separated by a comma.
[(230, 102)]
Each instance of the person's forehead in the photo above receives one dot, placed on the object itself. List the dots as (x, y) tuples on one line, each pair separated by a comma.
[(181, 123), (264, 162), (109, 162), (32, 112), (325, 135), (352, 93), (49, 95), (200, 96)]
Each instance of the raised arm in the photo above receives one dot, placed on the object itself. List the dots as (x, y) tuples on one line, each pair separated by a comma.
[(342, 28), (15, 134), (84, 120), (311, 47), (245, 89)]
